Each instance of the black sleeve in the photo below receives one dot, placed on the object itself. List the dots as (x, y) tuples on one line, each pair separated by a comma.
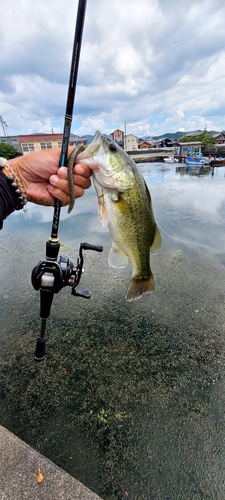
[(8, 200)]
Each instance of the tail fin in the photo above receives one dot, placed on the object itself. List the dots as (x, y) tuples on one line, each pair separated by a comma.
[(139, 286)]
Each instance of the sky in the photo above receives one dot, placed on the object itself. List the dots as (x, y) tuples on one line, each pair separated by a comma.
[(157, 66)]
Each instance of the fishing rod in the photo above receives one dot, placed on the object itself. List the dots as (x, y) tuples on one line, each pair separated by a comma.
[(69, 107), (49, 275)]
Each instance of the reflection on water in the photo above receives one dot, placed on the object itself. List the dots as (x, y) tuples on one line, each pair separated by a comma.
[(194, 206), (130, 398)]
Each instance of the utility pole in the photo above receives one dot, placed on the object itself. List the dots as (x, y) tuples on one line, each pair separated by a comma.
[(125, 133), (4, 126)]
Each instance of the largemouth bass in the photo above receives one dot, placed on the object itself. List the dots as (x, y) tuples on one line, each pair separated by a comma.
[(124, 205)]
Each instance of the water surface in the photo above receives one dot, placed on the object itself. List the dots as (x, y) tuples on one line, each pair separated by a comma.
[(130, 397)]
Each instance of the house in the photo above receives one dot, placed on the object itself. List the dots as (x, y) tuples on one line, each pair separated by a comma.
[(143, 144), (168, 143), (12, 140), (220, 138), (37, 142), (193, 133), (149, 141), (76, 139), (117, 135), (130, 142), (187, 148), (164, 142)]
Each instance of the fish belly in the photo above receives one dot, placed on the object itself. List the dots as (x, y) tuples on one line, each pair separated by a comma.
[(132, 229)]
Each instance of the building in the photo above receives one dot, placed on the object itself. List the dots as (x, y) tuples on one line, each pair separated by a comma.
[(37, 142), (193, 133), (149, 140), (143, 144), (117, 135), (130, 142), (165, 142), (12, 140), (220, 138), (76, 139), (189, 148)]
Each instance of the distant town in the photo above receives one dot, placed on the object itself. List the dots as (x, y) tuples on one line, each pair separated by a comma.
[(180, 142)]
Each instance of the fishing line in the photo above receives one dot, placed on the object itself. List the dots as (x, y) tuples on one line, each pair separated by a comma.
[(189, 242)]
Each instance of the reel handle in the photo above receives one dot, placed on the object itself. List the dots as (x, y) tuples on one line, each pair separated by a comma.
[(96, 248)]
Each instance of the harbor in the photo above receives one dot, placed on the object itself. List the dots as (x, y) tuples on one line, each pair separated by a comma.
[(151, 155)]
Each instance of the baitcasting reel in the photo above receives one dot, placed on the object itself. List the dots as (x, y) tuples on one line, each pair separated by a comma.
[(50, 276)]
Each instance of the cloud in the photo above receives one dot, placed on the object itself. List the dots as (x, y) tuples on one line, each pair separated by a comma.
[(157, 66)]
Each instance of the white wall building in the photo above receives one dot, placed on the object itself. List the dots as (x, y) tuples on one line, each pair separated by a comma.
[(130, 142)]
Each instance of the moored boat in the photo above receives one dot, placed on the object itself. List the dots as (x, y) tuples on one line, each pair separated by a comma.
[(170, 159), (194, 161), (198, 160), (218, 161)]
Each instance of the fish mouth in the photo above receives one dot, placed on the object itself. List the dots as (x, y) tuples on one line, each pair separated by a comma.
[(97, 137), (91, 150)]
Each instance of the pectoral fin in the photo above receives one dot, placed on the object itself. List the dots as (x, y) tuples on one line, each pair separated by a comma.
[(117, 258), (102, 213), (157, 241)]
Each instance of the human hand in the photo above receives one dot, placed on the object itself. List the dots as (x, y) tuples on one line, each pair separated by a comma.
[(44, 181)]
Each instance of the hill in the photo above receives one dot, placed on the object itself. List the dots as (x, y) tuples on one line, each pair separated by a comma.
[(178, 134)]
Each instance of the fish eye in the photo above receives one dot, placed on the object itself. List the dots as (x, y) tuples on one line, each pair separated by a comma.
[(112, 147)]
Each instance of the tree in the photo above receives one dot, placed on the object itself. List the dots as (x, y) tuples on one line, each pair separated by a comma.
[(7, 151), (205, 137)]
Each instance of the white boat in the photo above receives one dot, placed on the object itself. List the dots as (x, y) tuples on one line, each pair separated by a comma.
[(206, 160), (170, 159)]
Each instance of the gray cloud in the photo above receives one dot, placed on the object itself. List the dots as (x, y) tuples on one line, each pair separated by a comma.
[(158, 66)]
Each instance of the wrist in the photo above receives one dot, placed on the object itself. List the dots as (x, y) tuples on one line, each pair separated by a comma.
[(14, 181)]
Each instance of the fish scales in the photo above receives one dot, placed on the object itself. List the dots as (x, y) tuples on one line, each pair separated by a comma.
[(136, 240), (125, 207)]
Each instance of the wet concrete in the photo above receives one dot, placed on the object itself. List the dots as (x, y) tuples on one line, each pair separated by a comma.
[(130, 398), (19, 464)]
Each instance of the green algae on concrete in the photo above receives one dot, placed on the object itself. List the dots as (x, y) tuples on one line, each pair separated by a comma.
[(130, 398)]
